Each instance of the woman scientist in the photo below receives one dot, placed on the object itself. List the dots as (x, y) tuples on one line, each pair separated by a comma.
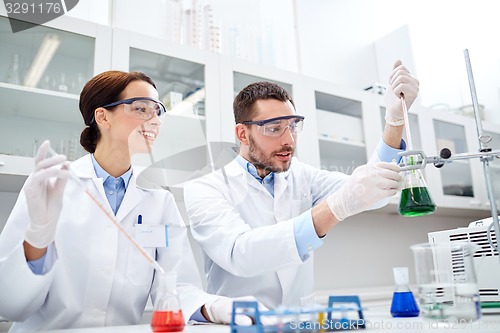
[(63, 264)]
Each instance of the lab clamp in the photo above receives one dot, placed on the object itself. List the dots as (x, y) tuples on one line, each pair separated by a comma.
[(291, 320), (485, 155)]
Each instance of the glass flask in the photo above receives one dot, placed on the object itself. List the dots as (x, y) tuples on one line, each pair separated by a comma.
[(403, 303), (167, 313), (415, 198)]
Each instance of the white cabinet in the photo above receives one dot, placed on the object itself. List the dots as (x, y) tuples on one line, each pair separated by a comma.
[(341, 130), (42, 71), (235, 75), (340, 126), (457, 184)]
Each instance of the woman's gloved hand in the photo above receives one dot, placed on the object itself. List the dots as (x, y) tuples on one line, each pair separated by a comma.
[(367, 185), (219, 311), (44, 193), (400, 82)]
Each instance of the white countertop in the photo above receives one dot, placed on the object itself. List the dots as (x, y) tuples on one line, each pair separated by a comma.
[(378, 319)]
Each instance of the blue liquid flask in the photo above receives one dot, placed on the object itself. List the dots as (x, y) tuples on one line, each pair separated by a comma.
[(403, 302)]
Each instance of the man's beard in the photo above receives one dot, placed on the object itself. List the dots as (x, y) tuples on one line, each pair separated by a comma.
[(264, 163)]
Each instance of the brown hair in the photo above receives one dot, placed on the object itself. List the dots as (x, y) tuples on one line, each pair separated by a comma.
[(102, 89), (243, 105)]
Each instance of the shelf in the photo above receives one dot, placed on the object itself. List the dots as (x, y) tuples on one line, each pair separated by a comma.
[(39, 104), (342, 141), (339, 155)]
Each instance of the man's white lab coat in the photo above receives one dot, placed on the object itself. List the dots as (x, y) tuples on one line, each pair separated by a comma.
[(247, 236), (95, 277)]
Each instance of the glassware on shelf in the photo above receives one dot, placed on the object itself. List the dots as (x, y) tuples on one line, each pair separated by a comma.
[(403, 302), (13, 75), (62, 83), (415, 198), (167, 312)]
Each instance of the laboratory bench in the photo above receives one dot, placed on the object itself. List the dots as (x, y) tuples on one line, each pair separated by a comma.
[(378, 319)]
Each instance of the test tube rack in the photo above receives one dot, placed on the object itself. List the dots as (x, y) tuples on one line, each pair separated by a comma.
[(336, 320)]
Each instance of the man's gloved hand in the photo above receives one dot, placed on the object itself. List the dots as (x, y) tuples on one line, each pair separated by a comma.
[(367, 185), (400, 82), (44, 193), (219, 311)]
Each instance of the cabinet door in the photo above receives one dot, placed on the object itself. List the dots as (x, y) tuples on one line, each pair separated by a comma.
[(236, 75), (456, 184), (42, 71), (186, 80), (493, 131), (340, 125)]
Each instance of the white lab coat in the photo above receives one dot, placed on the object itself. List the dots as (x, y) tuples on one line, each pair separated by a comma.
[(247, 236), (95, 277)]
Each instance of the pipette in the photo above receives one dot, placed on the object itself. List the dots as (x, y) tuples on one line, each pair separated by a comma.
[(409, 144), (146, 255)]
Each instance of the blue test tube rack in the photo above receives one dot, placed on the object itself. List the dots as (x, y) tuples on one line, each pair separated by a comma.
[(334, 321)]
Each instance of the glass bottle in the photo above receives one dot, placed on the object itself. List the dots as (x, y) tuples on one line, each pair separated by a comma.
[(167, 313), (62, 83), (415, 198), (403, 303)]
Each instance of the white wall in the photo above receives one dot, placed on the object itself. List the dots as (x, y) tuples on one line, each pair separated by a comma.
[(362, 250)]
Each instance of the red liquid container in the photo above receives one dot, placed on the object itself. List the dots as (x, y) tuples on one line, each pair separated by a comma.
[(167, 313), (167, 321)]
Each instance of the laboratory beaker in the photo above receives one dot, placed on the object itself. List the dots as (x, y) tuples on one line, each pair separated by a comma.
[(167, 313), (447, 282), (415, 198)]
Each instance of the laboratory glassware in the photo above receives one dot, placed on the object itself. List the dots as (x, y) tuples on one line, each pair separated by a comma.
[(167, 312), (415, 198), (447, 281), (13, 75), (403, 302)]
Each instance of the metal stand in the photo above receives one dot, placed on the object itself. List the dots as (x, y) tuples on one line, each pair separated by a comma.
[(485, 155)]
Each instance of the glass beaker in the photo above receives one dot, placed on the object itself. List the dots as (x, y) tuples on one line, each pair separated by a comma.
[(415, 198), (447, 282), (167, 313), (403, 302)]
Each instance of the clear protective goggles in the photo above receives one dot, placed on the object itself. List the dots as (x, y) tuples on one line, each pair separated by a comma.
[(141, 107), (277, 126)]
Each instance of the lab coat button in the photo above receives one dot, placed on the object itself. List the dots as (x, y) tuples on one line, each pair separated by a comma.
[(310, 248)]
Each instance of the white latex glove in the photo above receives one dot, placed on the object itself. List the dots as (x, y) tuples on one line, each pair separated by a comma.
[(44, 192), (219, 311), (400, 82), (367, 185)]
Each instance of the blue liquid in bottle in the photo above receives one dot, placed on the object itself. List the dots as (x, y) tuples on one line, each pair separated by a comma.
[(403, 302), (404, 305)]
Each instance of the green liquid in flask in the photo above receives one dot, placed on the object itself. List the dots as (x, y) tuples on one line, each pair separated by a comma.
[(416, 201)]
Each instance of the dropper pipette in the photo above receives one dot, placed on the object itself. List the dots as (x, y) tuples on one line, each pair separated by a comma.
[(146, 255)]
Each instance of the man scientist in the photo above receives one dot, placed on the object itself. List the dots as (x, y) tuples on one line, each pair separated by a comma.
[(259, 219)]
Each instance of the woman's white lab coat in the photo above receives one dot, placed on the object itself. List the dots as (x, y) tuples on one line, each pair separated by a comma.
[(247, 236), (94, 276)]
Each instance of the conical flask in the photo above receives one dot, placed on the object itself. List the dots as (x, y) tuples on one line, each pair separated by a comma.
[(167, 314), (403, 303), (415, 198)]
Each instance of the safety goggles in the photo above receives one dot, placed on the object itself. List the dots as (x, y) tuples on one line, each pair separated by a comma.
[(277, 126), (141, 107)]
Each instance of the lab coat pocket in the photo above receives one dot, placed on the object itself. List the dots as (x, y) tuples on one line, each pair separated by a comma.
[(301, 205), (139, 271)]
